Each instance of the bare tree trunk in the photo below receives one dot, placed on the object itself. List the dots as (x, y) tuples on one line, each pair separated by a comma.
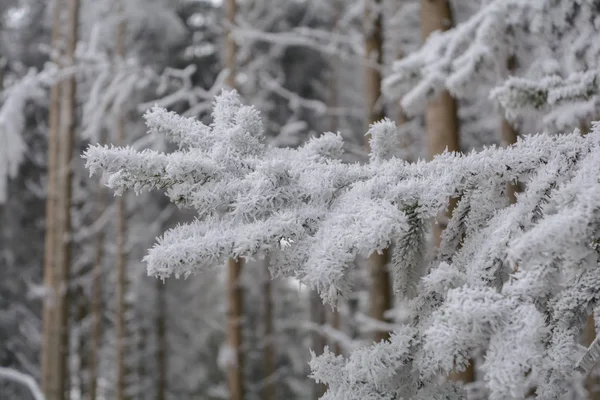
[(336, 324), (142, 359), (592, 382), (82, 313), (381, 288), (58, 250), (441, 120), (509, 136), (270, 389), (333, 102), (3, 63), (381, 292), (50, 335), (123, 337), (333, 92), (97, 306), (230, 45), (235, 369), (161, 332), (317, 315)]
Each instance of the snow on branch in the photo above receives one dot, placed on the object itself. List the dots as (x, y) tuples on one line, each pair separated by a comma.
[(476, 53), (573, 98), (513, 281), (23, 379), (456, 58)]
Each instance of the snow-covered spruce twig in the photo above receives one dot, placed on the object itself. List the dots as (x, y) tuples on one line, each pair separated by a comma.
[(512, 281)]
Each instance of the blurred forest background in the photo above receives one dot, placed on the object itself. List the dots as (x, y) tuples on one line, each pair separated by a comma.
[(78, 312)]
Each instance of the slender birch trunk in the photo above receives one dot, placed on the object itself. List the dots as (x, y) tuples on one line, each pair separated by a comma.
[(161, 333), (270, 390), (381, 288), (441, 120), (235, 369), (49, 333)]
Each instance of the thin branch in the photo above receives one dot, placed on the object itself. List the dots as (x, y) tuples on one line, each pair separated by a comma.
[(24, 379), (590, 358)]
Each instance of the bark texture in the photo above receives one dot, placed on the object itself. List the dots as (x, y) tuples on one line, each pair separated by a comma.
[(122, 289), (318, 318), (381, 288), (592, 382), (270, 360), (97, 308), (161, 333), (58, 241), (333, 126), (235, 300), (509, 135), (235, 369), (49, 334)]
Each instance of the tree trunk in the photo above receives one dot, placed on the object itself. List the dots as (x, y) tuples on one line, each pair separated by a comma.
[(317, 315), (230, 45), (82, 313), (592, 382), (333, 126), (235, 369), (441, 120), (122, 290), (336, 325), (270, 389), (509, 136), (97, 306), (381, 288), (49, 334), (58, 251), (142, 359), (161, 332), (332, 89), (123, 337)]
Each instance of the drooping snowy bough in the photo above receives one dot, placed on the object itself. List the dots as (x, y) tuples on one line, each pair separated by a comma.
[(513, 281)]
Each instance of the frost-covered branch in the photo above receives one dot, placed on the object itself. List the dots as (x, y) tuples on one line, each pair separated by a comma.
[(23, 379), (538, 34), (513, 281), (562, 100)]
